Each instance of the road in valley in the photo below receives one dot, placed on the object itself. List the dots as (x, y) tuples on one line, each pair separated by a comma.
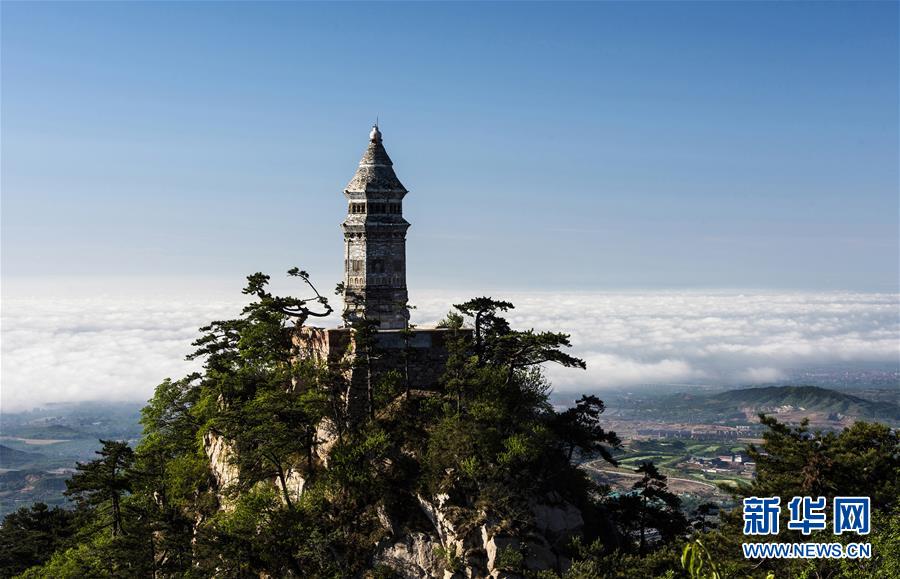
[(590, 465)]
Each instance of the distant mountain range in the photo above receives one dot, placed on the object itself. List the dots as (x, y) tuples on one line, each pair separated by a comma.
[(792, 402), (811, 398)]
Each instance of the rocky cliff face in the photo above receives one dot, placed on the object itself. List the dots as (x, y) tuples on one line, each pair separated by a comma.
[(224, 472), (414, 556), (450, 548), (455, 551)]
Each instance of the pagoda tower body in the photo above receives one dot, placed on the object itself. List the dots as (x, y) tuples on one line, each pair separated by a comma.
[(375, 242)]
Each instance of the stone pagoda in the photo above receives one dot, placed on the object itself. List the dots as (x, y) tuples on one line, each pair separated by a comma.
[(375, 242), (375, 285)]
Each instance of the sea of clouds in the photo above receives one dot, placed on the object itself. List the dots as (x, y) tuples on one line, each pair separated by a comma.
[(120, 348)]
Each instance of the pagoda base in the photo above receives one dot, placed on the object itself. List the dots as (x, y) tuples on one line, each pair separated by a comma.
[(421, 354)]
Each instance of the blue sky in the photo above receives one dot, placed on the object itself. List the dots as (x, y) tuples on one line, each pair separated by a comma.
[(584, 146)]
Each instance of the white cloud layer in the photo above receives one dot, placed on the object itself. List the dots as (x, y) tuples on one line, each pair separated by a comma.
[(691, 337), (82, 348)]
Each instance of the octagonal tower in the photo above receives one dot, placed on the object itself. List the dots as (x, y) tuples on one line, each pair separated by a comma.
[(375, 242)]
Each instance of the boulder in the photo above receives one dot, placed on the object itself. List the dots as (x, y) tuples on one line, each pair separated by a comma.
[(415, 556), (557, 521), (493, 544)]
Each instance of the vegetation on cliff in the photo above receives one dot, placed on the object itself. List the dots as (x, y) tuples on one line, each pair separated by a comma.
[(259, 466)]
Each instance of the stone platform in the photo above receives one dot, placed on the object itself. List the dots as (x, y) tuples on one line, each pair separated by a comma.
[(426, 351)]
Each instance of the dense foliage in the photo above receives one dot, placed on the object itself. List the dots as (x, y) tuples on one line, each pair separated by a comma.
[(29, 535), (320, 485), (862, 460)]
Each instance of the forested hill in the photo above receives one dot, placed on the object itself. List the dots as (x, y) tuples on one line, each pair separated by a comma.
[(809, 398), (785, 400)]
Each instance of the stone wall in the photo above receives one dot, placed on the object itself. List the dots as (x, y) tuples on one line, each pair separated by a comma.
[(426, 350), (422, 353)]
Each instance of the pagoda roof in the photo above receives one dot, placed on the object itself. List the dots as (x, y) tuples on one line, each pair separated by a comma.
[(375, 173)]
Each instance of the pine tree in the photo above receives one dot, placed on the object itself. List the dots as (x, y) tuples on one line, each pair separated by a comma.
[(100, 485), (30, 535)]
